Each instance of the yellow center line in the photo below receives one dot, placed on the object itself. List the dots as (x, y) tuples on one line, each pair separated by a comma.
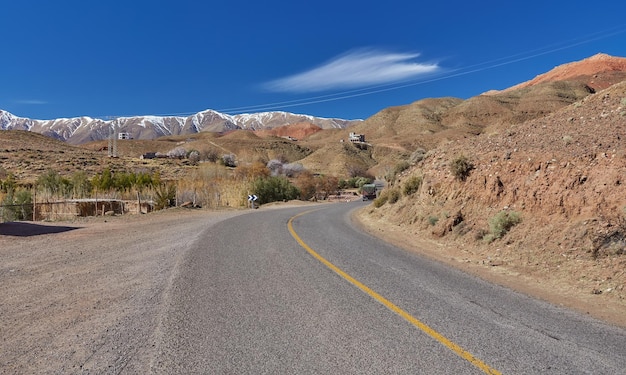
[(416, 322)]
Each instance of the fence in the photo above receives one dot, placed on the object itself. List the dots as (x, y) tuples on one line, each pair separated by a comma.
[(15, 212), (68, 209)]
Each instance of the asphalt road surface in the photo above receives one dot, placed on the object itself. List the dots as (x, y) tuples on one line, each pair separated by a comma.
[(253, 297)]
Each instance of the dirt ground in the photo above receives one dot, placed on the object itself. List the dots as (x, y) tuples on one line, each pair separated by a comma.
[(85, 296)]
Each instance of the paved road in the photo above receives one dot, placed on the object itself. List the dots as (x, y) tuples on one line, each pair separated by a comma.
[(250, 299)]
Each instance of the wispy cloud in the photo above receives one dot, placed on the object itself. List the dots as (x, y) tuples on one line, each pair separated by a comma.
[(358, 68), (31, 102)]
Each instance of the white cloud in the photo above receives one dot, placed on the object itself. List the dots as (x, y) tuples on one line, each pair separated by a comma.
[(35, 102), (358, 68)]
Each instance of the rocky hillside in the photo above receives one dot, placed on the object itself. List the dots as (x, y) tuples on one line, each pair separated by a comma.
[(562, 175), (612, 69), (397, 132)]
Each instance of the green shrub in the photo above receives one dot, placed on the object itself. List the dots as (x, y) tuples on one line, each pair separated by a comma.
[(461, 168), (412, 185), (354, 182), (501, 223), (273, 189), (432, 220)]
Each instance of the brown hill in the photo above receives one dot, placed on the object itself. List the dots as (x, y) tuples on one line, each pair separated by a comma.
[(28, 155), (399, 131), (296, 131), (339, 159), (562, 173), (587, 71)]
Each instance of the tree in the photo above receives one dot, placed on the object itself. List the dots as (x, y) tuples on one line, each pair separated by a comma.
[(272, 189), (306, 184), (54, 184), (9, 183), (104, 181), (329, 185), (19, 205), (81, 186), (177, 153), (275, 167), (292, 169)]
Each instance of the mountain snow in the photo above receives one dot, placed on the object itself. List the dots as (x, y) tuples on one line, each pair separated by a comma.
[(85, 129)]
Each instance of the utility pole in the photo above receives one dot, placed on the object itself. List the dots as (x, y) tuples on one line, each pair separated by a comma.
[(113, 134)]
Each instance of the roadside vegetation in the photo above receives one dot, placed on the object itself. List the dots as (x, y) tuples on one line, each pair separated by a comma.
[(500, 224), (221, 183)]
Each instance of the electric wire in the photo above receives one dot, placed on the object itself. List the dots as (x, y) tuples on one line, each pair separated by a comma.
[(446, 74)]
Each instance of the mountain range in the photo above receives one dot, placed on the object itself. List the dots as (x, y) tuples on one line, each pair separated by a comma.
[(79, 130)]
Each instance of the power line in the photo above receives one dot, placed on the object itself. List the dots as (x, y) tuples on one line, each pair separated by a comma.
[(452, 73)]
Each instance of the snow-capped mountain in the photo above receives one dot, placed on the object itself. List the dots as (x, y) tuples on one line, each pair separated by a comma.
[(85, 129)]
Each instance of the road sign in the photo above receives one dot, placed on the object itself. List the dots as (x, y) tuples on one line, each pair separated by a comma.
[(252, 198)]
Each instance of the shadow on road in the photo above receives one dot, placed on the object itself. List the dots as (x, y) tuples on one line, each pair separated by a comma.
[(20, 229)]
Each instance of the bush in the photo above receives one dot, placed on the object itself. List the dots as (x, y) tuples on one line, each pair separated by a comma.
[(412, 185), (397, 169), (194, 156), (273, 188), (165, 196), (275, 166), (229, 160), (19, 206), (292, 169), (432, 220), (417, 156), (393, 196), (390, 196), (54, 184), (177, 153), (461, 168), (501, 223), (354, 182), (211, 155), (382, 198)]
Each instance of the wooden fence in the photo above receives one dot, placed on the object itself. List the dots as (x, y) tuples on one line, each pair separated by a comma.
[(67, 209)]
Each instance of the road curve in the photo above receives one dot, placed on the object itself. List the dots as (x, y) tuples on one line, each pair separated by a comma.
[(249, 298)]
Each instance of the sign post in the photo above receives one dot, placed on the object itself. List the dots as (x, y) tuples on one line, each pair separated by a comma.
[(252, 198)]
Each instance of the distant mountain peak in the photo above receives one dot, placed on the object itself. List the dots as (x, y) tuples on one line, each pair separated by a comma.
[(85, 129)]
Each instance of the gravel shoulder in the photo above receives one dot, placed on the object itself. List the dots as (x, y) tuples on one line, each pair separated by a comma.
[(88, 296)]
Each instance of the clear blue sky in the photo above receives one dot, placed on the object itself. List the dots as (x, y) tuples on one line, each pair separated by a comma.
[(346, 59)]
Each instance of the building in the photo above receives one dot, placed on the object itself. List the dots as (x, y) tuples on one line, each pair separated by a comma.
[(357, 138)]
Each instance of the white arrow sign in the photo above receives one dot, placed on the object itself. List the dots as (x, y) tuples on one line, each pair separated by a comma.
[(252, 198)]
